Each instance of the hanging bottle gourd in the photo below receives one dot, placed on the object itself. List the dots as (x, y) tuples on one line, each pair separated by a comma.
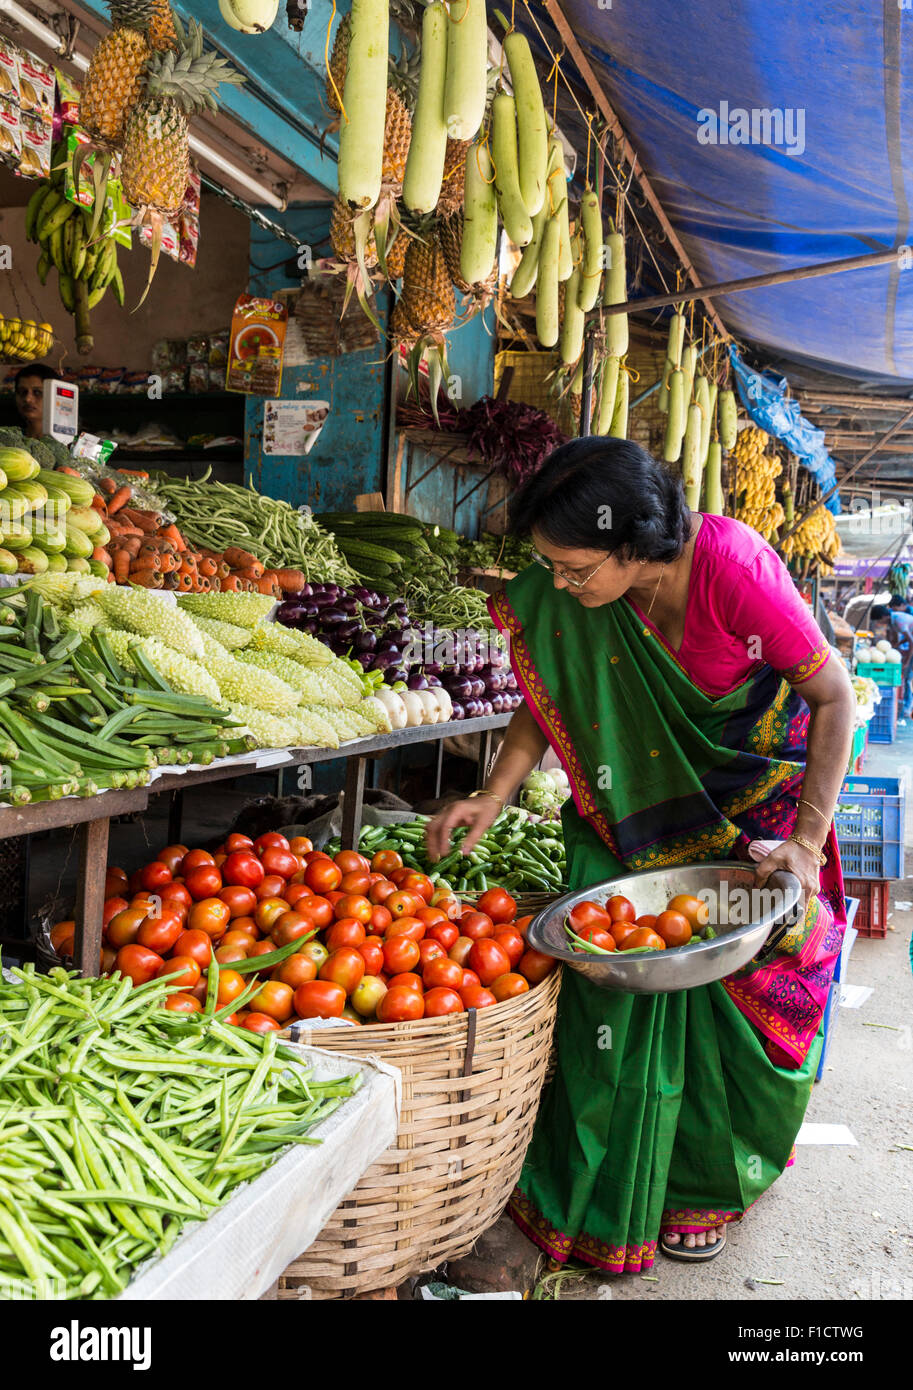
[(361, 135), (692, 466), (619, 428)]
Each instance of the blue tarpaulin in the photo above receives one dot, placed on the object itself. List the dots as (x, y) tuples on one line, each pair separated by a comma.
[(765, 398), (776, 135)]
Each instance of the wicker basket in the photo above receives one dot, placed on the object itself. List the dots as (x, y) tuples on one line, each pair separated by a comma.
[(471, 1086)]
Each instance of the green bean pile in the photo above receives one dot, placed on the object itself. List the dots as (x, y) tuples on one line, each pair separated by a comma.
[(120, 1121), (451, 607), (216, 515), (516, 853)]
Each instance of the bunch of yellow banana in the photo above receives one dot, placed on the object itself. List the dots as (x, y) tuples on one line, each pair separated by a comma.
[(756, 473), (85, 268), (817, 537), (24, 340)]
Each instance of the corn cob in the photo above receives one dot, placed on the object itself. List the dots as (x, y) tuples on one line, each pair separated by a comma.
[(148, 616), (269, 731), (244, 610), (300, 646), (228, 635)]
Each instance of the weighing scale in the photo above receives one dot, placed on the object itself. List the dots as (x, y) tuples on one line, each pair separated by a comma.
[(60, 416)]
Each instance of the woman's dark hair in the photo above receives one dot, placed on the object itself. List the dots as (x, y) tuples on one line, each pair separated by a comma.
[(35, 369), (604, 494)]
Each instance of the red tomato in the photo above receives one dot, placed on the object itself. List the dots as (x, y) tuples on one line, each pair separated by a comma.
[(348, 931), (597, 937), (354, 905), (154, 876), (444, 933), (310, 855), (535, 966), (372, 951), (430, 951), (289, 927), (397, 875), (322, 875), (510, 940), (183, 1004), (241, 902), (241, 927), (211, 916), (674, 928), (508, 987), (693, 909), (385, 861), (488, 960), (648, 919), (439, 1002), (409, 980), (400, 1005), (449, 905), (643, 936), (460, 949), (343, 967), (194, 859), (400, 953), (159, 933), (231, 984), (133, 883), (300, 845), (243, 869), (185, 969), (199, 990), (228, 955), (476, 925), (295, 892), (319, 910), (621, 909), (431, 915), (402, 904), (588, 914), (320, 999), (498, 905), (406, 926), (272, 886), (469, 978), (350, 861), (260, 1023), (137, 962), (172, 856), (115, 882), (356, 881), (274, 999), (475, 997), (421, 884), (296, 970), (235, 842), (280, 861), (522, 923), (261, 948), (111, 908), (382, 890), (442, 973), (123, 927), (380, 919), (272, 839), (175, 896), (333, 896), (195, 944), (621, 930), (203, 882), (268, 912)]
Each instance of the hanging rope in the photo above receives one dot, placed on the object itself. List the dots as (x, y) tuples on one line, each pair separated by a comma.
[(326, 59)]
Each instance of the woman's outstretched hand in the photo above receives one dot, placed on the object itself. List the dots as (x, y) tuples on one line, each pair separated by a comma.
[(795, 860), (479, 813)]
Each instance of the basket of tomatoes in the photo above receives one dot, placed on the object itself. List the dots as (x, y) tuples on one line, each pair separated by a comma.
[(449, 992)]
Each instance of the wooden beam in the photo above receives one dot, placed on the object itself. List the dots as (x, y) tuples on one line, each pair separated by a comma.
[(820, 400), (587, 72)]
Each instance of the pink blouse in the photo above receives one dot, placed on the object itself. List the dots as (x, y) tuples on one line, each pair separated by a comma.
[(743, 612)]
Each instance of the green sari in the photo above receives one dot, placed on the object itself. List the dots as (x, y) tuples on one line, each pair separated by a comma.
[(667, 1112)]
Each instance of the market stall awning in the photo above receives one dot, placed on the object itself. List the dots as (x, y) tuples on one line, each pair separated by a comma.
[(823, 100)]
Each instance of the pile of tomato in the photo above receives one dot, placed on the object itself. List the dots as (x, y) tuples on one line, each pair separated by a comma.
[(378, 942), (616, 926)]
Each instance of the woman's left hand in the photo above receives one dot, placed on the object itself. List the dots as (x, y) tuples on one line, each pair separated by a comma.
[(795, 860)]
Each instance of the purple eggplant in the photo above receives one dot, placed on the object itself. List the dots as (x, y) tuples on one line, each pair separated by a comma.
[(432, 679), (478, 688), (487, 708), (385, 660), (458, 711), (349, 630), (416, 681), (395, 673), (365, 641), (366, 659), (460, 689), (290, 612), (332, 617)]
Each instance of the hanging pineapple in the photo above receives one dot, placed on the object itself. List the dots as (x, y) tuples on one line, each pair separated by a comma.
[(454, 177), (353, 243), (480, 292), (155, 164), (425, 309)]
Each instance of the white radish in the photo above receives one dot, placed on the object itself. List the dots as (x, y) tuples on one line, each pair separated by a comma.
[(532, 131), (465, 88), (516, 219), (361, 136), (428, 145), (480, 217)]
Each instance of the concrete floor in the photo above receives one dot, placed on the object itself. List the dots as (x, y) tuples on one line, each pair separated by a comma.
[(838, 1225)]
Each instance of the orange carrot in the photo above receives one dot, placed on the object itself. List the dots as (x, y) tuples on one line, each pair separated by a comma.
[(290, 581), (119, 499), (172, 534), (242, 559), (207, 568), (121, 566), (107, 485), (146, 521), (99, 553), (231, 584)]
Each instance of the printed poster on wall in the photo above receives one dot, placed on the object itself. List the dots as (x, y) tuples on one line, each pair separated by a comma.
[(292, 427)]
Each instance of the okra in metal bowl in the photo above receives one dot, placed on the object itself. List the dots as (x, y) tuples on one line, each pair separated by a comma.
[(747, 921)]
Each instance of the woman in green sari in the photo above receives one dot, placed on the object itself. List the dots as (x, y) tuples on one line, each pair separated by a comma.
[(668, 659)]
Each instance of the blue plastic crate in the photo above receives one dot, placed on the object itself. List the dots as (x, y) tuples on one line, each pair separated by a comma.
[(833, 996), (883, 725), (871, 837)]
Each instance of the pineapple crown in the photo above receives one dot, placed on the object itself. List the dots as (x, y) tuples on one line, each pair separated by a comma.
[(188, 74), (131, 14)]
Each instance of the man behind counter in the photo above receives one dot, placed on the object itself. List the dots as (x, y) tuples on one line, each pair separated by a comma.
[(30, 397)]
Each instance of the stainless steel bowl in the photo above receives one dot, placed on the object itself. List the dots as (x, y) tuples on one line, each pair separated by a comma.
[(750, 923)]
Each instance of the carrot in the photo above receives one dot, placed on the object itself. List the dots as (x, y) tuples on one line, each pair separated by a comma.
[(231, 584), (121, 566), (168, 563), (242, 559), (120, 528), (290, 581), (207, 568), (107, 485), (131, 544), (205, 584), (119, 499), (149, 579), (253, 574), (268, 586), (99, 553), (185, 582), (99, 504), (73, 472), (224, 569), (146, 521), (172, 534), (134, 472)]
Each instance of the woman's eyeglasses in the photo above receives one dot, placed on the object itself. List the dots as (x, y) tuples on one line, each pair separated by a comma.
[(563, 575)]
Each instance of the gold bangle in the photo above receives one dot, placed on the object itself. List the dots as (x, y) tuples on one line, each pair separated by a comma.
[(827, 819), (812, 849), (484, 792)]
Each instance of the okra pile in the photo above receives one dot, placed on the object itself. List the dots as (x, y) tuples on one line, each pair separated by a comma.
[(516, 853), (74, 722), (120, 1122)]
